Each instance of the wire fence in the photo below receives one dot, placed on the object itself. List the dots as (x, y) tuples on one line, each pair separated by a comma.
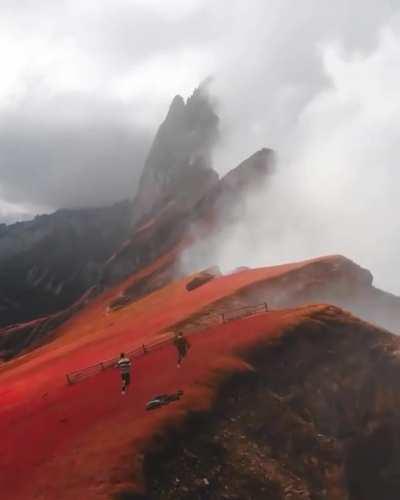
[(242, 312), (89, 371)]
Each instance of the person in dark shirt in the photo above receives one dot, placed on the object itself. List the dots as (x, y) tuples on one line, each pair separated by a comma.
[(124, 364), (182, 346)]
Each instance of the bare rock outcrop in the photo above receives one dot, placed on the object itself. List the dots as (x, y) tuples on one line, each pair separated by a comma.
[(178, 166)]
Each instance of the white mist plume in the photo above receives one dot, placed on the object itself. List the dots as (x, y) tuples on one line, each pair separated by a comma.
[(337, 184)]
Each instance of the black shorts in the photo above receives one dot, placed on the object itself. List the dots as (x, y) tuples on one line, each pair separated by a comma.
[(126, 377)]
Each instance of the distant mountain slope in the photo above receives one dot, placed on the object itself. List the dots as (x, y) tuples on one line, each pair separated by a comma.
[(48, 263)]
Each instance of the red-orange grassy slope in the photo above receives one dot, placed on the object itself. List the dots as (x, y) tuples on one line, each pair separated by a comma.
[(59, 440)]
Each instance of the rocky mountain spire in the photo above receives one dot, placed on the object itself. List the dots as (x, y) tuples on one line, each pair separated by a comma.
[(178, 166)]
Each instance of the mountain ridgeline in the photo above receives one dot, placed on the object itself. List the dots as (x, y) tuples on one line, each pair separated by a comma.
[(50, 266)]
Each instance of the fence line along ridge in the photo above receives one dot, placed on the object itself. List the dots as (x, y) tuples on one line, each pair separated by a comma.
[(90, 371)]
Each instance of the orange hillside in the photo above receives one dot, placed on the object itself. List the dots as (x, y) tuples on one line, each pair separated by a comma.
[(77, 433)]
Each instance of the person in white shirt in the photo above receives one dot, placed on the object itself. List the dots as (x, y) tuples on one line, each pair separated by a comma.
[(124, 364)]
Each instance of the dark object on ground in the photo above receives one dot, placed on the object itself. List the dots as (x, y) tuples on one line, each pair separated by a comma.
[(199, 280), (163, 399)]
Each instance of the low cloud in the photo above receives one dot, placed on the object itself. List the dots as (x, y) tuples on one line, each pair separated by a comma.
[(69, 151)]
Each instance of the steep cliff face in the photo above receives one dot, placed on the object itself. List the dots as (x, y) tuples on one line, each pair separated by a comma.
[(178, 166), (250, 173), (223, 204), (48, 263)]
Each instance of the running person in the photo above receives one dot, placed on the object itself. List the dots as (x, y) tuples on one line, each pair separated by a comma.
[(124, 364), (182, 346)]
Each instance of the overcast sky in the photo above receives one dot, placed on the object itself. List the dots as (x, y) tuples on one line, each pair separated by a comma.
[(84, 86)]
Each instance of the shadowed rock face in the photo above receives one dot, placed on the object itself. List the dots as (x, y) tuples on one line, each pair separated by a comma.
[(18, 338), (178, 166), (48, 263), (250, 172), (223, 205)]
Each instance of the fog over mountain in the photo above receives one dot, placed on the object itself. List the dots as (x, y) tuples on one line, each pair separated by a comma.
[(84, 88)]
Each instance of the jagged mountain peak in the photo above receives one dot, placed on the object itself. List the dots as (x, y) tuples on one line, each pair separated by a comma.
[(176, 108), (179, 163), (252, 170)]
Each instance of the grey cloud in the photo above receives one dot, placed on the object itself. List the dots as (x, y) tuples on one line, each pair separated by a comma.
[(69, 151), (119, 34), (272, 64)]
